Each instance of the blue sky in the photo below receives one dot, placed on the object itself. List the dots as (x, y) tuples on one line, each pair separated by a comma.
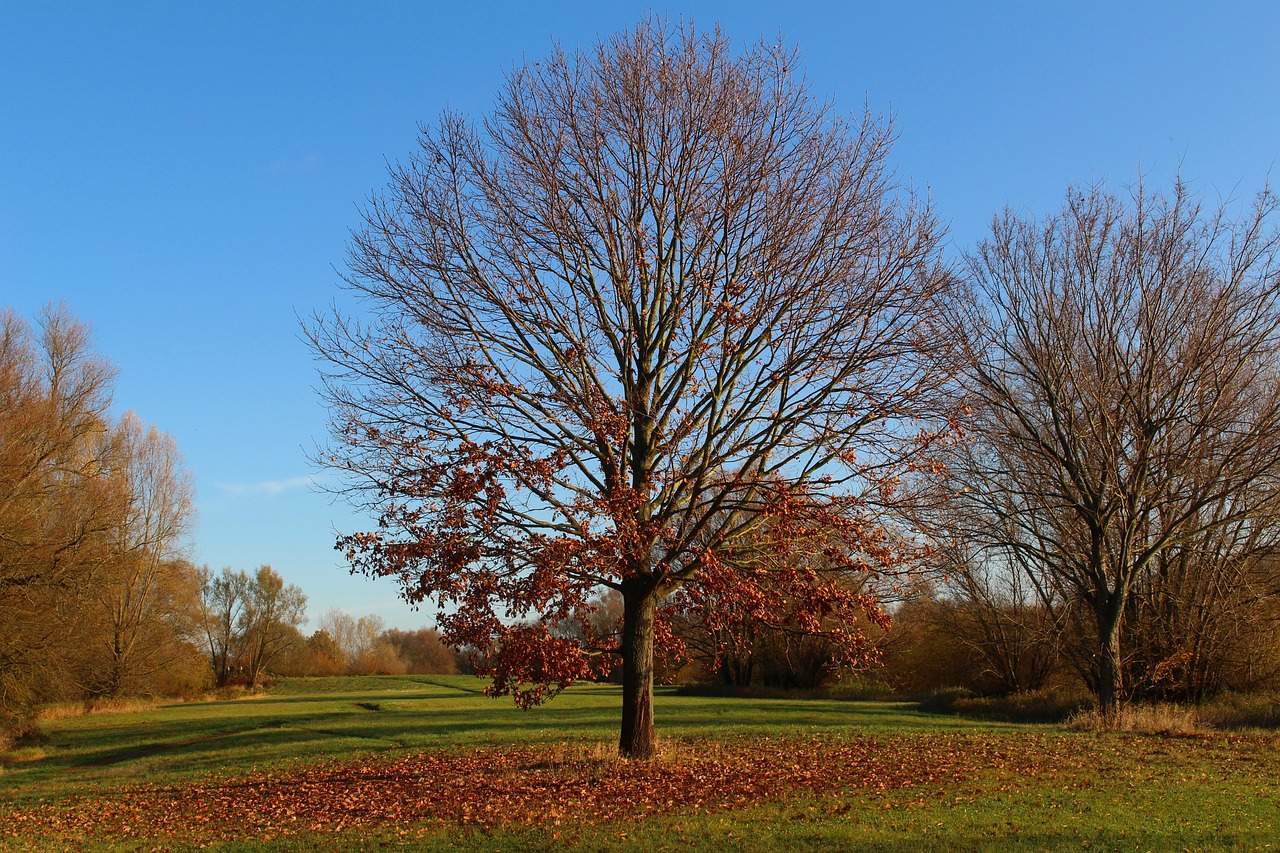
[(183, 175)]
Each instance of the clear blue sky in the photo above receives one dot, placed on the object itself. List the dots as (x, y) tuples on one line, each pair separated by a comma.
[(183, 175)]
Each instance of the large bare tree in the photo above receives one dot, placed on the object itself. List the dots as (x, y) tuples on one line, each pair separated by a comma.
[(658, 298), (1127, 408)]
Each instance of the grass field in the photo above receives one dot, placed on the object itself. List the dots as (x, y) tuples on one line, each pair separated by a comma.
[(428, 762)]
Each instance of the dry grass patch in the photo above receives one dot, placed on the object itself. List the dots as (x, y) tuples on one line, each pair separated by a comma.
[(1162, 719), (1257, 711), (73, 710)]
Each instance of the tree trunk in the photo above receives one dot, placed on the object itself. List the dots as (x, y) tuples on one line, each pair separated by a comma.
[(1110, 667), (639, 605)]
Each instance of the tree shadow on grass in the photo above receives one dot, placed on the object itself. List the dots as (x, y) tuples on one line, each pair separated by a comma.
[(448, 713)]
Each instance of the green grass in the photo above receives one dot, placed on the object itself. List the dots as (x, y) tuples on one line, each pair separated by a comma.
[(1111, 792), (307, 720)]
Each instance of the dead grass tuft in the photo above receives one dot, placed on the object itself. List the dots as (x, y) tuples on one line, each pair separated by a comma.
[(20, 755), (72, 710), (1161, 719)]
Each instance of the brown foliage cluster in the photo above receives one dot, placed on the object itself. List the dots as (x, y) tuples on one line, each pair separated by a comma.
[(564, 786), (793, 608), (96, 600)]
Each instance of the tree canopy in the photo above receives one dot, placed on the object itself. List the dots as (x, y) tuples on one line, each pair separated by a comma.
[(660, 298)]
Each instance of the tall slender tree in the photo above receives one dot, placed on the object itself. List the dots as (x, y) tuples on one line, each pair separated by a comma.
[(224, 598), (272, 612), (145, 601)]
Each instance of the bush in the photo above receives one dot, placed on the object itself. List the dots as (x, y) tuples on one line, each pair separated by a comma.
[(1243, 711), (851, 689), (1033, 706)]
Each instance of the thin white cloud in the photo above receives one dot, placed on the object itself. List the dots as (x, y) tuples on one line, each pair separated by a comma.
[(267, 487), (288, 165)]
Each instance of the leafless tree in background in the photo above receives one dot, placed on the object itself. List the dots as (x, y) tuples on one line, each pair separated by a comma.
[(1009, 628), (223, 599), (1126, 404), (272, 613), (248, 621)]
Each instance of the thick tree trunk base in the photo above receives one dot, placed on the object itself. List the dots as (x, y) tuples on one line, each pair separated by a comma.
[(637, 740), (638, 743)]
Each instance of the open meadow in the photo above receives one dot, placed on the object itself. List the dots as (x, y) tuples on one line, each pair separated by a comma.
[(428, 762)]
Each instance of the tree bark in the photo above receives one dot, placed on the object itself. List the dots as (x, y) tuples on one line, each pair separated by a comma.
[(1110, 667), (639, 606)]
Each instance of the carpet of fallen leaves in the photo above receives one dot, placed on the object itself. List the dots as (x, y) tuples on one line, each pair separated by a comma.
[(562, 785)]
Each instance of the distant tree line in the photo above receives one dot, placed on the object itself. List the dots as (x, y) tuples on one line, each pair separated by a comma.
[(344, 645), (994, 639)]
